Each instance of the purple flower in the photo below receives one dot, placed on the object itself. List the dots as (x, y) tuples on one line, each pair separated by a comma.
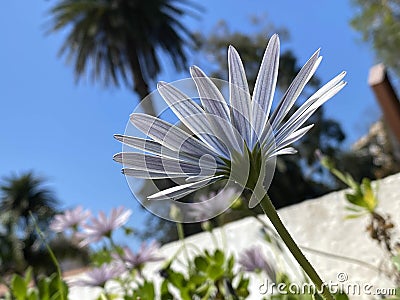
[(253, 260), (99, 276), (146, 253), (213, 204), (103, 226), (70, 219)]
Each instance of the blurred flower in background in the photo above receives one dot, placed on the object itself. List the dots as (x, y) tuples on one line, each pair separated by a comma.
[(146, 253), (103, 226), (253, 260), (98, 277), (213, 204), (70, 220)]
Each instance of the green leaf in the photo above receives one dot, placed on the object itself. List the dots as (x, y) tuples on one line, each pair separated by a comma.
[(197, 279), (44, 288), (177, 279), (215, 272), (165, 294), (231, 263), (353, 208), (242, 288), (144, 291), (33, 295), (19, 287), (28, 276), (128, 231), (396, 261), (101, 257), (219, 257), (369, 195), (201, 263), (353, 216)]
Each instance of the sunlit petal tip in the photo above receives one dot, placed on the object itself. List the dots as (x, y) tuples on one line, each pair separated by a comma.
[(118, 157), (195, 71), (232, 50), (274, 40), (134, 115), (161, 84)]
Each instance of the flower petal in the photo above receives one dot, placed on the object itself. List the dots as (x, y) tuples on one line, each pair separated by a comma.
[(239, 95), (157, 149), (190, 114), (144, 162), (217, 110), (307, 109), (293, 137), (169, 135), (210, 96), (288, 150), (180, 191), (152, 175), (294, 90), (264, 88)]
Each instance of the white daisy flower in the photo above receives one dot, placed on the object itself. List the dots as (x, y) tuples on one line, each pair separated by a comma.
[(232, 140)]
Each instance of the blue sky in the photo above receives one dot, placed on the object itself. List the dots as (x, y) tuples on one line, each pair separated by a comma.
[(63, 131)]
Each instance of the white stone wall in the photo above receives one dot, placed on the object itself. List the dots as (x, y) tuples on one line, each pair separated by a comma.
[(318, 224)]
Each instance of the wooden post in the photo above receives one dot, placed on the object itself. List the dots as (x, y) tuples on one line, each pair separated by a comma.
[(386, 96)]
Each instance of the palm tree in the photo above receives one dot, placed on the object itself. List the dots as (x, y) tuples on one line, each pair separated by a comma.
[(22, 196), (121, 40), (25, 195)]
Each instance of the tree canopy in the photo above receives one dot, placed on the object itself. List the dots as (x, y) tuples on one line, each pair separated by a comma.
[(121, 40), (378, 22)]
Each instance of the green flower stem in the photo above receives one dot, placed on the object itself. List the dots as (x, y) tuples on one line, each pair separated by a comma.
[(276, 221), (181, 235), (52, 256)]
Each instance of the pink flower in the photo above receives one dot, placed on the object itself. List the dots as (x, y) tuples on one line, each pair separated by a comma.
[(145, 254), (253, 260), (213, 204), (99, 276), (102, 226), (70, 219)]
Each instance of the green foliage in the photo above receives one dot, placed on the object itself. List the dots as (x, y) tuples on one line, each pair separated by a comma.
[(362, 197), (210, 275), (144, 290), (121, 40), (101, 256), (47, 288), (379, 24), (396, 261), (22, 196)]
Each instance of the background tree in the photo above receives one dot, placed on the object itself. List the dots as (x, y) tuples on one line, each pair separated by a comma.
[(122, 40), (23, 197), (379, 24)]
